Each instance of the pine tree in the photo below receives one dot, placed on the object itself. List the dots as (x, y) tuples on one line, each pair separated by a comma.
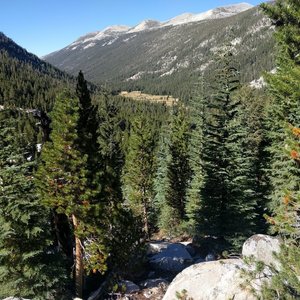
[(254, 105), (29, 264), (227, 208), (122, 231), (161, 179), (109, 152), (193, 205), (87, 121), (62, 177), (178, 171), (284, 132), (139, 171)]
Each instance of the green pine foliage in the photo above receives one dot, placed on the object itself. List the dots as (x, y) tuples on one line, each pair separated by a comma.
[(284, 133), (139, 171), (254, 104), (161, 179), (63, 186), (193, 204), (109, 138), (29, 263), (178, 172), (62, 173), (227, 206), (23, 84), (122, 231)]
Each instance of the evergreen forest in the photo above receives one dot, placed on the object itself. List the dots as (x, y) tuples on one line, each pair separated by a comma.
[(88, 178)]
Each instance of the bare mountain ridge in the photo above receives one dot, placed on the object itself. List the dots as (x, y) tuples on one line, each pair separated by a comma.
[(89, 39)]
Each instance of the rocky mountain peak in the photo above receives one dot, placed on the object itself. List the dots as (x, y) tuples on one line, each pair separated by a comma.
[(145, 25), (90, 39)]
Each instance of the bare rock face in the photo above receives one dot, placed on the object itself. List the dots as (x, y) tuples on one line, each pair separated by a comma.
[(214, 280), (261, 247)]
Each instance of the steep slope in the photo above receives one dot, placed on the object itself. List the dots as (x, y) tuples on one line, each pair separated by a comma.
[(26, 80), (168, 57)]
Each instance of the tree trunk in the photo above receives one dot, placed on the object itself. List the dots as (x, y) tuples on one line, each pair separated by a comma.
[(63, 234), (78, 262), (146, 222)]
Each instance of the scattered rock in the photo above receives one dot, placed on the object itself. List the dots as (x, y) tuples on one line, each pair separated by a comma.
[(214, 280), (156, 247), (210, 257), (128, 286), (191, 249), (174, 258), (151, 283), (168, 264), (261, 247), (199, 260), (155, 293)]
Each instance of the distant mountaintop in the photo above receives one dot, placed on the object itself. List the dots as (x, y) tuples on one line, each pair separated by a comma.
[(167, 57), (216, 13), (115, 31)]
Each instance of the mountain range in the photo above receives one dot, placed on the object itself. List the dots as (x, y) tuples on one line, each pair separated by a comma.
[(167, 57)]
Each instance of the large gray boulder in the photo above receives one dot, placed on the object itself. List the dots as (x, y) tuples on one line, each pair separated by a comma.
[(214, 280), (262, 247), (174, 258)]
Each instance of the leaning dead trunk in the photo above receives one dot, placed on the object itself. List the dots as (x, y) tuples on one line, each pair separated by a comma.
[(78, 261)]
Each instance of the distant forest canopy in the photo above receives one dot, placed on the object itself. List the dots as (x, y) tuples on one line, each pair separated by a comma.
[(88, 177)]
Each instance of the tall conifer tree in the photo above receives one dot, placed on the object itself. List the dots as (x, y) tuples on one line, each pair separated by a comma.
[(284, 132), (29, 263), (161, 179), (62, 175), (139, 171), (178, 172), (227, 197), (197, 114)]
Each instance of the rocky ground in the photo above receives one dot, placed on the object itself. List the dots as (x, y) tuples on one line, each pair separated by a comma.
[(186, 271), (165, 261), (195, 270)]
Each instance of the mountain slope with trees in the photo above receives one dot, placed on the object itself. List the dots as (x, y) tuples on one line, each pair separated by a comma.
[(167, 60), (27, 81)]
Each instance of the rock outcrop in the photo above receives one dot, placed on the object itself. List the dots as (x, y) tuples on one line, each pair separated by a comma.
[(262, 247), (222, 279), (215, 280), (174, 258)]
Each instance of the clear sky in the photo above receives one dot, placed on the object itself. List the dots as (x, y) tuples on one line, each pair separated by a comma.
[(43, 26)]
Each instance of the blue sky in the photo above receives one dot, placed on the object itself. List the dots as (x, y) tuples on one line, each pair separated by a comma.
[(43, 26)]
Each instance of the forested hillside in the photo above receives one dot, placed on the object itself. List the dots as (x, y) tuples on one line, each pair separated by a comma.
[(27, 81), (88, 178), (168, 60)]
